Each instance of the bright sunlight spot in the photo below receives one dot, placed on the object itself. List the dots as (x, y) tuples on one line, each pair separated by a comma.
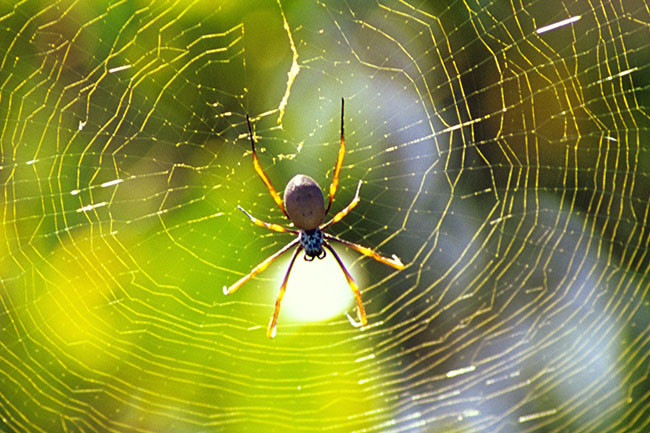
[(317, 290)]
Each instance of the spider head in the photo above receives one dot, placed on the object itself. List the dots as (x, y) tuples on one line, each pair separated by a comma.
[(303, 202), (312, 242)]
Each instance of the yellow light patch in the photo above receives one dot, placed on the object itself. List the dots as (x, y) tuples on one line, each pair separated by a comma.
[(76, 294), (317, 290)]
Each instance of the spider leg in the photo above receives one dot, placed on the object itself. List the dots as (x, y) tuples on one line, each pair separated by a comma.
[(271, 331), (260, 172), (339, 161), (339, 216), (394, 261), (259, 268), (270, 226), (353, 285)]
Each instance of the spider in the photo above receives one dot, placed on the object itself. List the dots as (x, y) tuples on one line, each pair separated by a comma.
[(305, 207)]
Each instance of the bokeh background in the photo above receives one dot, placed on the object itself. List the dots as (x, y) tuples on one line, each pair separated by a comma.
[(504, 154)]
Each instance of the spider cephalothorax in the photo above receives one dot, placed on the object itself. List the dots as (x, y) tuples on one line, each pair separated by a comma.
[(312, 242), (305, 207)]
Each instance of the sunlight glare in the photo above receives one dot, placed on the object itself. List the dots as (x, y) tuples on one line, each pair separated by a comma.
[(317, 290)]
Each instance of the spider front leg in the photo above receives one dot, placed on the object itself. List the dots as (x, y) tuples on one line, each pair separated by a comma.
[(260, 172), (339, 162), (340, 215), (259, 268)]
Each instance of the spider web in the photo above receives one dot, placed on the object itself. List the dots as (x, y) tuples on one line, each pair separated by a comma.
[(503, 153)]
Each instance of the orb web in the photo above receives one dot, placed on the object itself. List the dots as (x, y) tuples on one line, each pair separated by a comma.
[(503, 153)]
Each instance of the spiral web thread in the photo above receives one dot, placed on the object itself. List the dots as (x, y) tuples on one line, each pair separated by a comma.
[(504, 153)]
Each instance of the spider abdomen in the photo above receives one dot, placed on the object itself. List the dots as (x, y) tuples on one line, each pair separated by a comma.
[(312, 242), (303, 202)]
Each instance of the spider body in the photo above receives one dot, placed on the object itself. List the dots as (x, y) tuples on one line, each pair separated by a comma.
[(303, 202), (312, 242), (304, 205)]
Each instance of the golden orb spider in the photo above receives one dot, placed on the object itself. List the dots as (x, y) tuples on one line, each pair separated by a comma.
[(305, 207)]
